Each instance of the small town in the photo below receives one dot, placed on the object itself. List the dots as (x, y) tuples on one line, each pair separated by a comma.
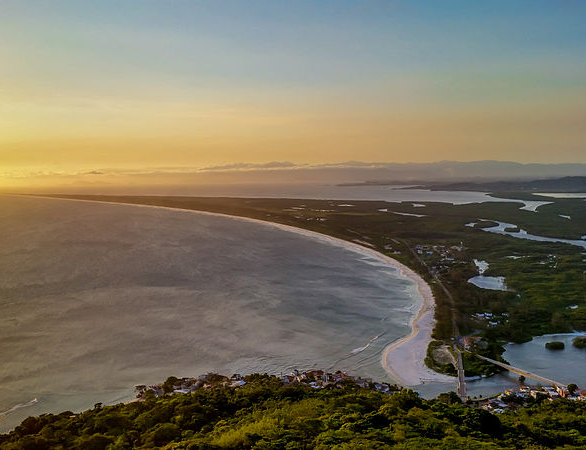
[(511, 399), (317, 379), (516, 398)]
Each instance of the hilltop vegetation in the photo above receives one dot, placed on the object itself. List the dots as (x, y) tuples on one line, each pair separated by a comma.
[(266, 414)]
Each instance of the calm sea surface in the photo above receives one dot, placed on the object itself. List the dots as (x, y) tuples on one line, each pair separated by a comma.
[(96, 298)]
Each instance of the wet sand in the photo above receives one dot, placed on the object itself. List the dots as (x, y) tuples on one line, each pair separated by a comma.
[(404, 359)]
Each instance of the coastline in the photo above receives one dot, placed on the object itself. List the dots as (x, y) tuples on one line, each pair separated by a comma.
[(403, 359)]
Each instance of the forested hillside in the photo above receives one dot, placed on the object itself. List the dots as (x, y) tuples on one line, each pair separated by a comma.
[(266, 414)]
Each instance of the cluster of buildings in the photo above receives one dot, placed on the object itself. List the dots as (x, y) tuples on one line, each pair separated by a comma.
[(491, 319), (187, 385), (473, 343), (317, 379), (440, 257), (513, 399)]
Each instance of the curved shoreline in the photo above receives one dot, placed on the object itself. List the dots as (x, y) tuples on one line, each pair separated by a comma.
[(403, 359)]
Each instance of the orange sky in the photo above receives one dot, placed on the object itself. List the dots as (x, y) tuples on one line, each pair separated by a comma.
[(141, 85)]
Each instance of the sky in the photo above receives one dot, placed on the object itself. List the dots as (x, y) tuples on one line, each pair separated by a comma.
[(138, 85)]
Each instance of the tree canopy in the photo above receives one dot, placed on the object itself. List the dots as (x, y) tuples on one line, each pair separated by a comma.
[(266, 414)]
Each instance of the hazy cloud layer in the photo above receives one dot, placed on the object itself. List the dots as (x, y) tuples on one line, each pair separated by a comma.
[(171, 179)]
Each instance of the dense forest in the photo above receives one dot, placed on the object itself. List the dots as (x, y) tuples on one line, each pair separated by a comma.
[(265, 414)]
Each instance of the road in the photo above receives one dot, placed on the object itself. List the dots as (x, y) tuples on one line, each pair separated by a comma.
[(457, 341), (461, 377), (459, 365), (525, 373)]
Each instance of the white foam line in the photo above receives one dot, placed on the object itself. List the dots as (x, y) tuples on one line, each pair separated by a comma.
[(19, 406)]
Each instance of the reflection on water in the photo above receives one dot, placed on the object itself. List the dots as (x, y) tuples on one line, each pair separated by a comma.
[(96, 298)]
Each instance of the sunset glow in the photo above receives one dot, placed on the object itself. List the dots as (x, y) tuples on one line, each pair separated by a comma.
[(87, 86)]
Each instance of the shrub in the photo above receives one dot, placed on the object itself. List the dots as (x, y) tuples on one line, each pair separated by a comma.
[(579, 342), (555, 345)]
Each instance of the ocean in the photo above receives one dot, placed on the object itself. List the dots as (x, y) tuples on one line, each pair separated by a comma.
[(97, 298)]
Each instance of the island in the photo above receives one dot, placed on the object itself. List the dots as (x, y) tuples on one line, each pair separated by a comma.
[(579, 342), (555, 345)]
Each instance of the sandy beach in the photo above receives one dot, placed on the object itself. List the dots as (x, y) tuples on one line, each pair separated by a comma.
[(402, 359)]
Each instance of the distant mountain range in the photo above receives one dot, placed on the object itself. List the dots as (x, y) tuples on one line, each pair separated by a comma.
[(458, 172), (390, 173), (475, 175), (563, 184)]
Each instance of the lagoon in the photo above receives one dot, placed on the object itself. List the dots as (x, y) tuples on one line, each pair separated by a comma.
[(502, 227)]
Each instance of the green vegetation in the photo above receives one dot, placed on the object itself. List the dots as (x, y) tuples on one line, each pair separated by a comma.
[(441, 365), (265, 414), (475, 367), (579, 342), (555, 345), (544, 279), (522, 187)]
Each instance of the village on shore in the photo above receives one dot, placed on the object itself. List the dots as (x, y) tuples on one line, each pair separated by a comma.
[(516, 398), (319, 379)]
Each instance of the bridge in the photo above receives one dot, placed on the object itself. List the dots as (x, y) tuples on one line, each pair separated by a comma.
[(458, 364), (461, 376), (525, 373)]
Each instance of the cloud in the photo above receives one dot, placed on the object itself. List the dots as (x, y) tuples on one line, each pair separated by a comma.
[(288, 172), (252, 166), (290, 165)]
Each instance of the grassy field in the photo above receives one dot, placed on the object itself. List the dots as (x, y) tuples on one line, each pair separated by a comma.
[(546, 281)]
